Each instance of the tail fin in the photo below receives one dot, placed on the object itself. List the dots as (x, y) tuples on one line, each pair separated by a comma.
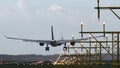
[(52, 33)]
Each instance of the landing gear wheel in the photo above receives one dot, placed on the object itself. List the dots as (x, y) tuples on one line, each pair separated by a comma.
[(47, 49), (65, 48)]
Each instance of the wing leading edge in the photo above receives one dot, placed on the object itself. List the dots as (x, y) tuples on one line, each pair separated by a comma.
[(48, 41), (30, 40)]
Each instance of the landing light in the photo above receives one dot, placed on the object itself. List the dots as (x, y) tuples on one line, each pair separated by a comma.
[(81, 23), (90, 36), (103, 23), (73, 35)]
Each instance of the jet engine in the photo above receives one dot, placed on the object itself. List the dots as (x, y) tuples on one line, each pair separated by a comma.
[(41, 44), (72, 43)]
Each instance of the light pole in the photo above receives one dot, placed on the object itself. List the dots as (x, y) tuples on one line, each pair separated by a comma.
[(104, 28), (82, 29)]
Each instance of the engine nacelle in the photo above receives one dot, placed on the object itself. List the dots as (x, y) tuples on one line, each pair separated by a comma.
[(72, 43), (41, 44)]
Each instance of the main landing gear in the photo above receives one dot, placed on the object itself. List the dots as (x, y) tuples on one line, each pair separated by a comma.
[(47, 48), (65, 48)]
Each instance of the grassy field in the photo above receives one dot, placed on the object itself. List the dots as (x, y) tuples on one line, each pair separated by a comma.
[(57, 66)]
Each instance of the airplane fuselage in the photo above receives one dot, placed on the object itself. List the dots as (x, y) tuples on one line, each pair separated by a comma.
[(54, 43)]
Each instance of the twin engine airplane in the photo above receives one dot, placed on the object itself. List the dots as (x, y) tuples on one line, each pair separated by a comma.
[(52, 42)]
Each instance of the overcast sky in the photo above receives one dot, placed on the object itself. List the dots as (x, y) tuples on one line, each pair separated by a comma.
[(33, 19)]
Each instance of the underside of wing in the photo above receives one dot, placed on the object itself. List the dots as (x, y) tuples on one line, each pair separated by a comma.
[(29, 40)]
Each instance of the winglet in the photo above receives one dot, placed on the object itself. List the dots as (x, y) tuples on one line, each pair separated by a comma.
[(6, 36)]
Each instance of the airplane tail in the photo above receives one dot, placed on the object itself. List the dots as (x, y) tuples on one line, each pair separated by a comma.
[(52, 33)]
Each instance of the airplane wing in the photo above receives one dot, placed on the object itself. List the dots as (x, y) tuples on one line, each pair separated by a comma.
[(48, 41), (77, 40), (30, 40)]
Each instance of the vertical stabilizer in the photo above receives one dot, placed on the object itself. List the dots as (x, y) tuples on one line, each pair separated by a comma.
[(52, 33)]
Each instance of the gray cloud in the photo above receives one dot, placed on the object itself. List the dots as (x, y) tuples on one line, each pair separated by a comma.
[(55, 8), (21, 4)]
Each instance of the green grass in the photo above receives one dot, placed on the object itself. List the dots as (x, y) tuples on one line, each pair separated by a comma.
[(57, 66)]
